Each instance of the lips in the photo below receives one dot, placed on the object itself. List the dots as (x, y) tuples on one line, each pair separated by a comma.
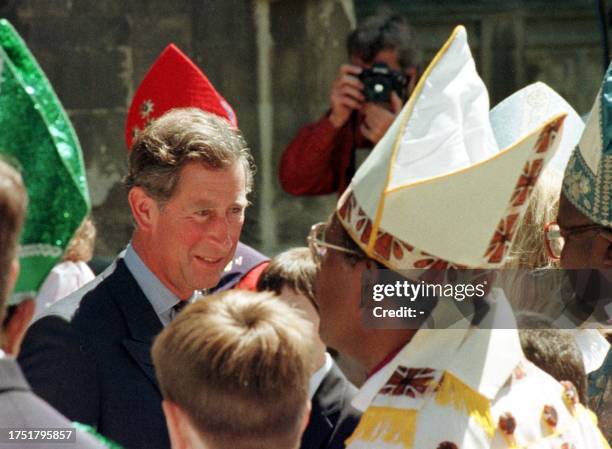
[(212, 262)]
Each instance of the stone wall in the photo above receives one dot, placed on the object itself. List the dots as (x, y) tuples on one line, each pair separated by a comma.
[(274, 61), (515, 42)]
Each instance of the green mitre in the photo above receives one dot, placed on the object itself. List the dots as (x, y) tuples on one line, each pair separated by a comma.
[(587, 183), (36, 135)]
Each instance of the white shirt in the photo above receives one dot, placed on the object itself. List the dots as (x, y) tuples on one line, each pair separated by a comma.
[(319, 375)]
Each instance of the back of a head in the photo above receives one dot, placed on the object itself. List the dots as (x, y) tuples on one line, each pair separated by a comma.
[(293, 268), (384, 31), (238, 364), (13, 203), (552, 350)]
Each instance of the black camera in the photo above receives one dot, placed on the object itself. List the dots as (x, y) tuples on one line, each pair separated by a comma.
[(379, 81)]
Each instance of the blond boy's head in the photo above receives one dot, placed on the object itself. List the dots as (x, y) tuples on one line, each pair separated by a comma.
[(233, 369)]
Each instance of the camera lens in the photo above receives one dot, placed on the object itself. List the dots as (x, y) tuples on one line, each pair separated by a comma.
[(378, 88)]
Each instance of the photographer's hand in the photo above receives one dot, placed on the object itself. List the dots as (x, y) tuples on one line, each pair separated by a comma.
[(377, 118), (346, 95)]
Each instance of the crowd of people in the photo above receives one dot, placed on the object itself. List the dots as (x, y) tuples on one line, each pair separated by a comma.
[(192, 339)]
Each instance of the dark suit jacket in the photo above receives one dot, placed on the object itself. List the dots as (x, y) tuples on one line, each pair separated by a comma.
[(90, 359), (22, 409), (332, 419)]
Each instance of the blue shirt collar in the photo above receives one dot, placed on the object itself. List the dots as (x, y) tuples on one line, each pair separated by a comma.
[(160, 297)]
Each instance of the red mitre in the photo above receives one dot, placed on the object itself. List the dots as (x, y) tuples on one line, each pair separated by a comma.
[(173, 81)]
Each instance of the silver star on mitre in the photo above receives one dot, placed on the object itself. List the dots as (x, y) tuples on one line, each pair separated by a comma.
[(146, 108)]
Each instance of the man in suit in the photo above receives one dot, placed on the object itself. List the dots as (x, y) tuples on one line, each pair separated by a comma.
[(175, 81), (189, 173), (291, 275), (20, 409)]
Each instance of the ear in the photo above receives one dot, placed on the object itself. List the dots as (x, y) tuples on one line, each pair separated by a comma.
[(173, 420), (17, 326), (602, 249), (144, 208), (306, 418), (370, 274)]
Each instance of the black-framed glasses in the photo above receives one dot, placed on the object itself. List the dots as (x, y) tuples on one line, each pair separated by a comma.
[(318, 246)]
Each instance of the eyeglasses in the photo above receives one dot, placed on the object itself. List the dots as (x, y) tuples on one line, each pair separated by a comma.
[(555, 238), (318, 246)]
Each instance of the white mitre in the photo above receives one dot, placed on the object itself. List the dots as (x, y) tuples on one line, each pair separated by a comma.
[(449, 182)]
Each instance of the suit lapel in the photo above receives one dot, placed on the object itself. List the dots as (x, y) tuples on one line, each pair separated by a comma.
[(141, 353), (142, 321), (327, 403), (319, 427)]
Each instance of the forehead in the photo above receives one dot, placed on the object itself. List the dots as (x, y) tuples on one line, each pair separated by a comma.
[(198, 181), (389, 57)]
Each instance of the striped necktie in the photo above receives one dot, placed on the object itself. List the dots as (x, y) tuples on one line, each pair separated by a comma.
[(178, 307)]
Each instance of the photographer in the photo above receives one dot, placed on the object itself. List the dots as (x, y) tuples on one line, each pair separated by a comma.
[(364, 100)]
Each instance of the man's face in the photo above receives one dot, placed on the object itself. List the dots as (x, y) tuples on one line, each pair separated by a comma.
[(338, 291), (389, 57), (582, 249), (196, 231)]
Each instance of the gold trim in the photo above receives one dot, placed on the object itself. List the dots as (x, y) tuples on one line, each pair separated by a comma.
[(408, 108), (391, 425), (453, 391), (373, 255)]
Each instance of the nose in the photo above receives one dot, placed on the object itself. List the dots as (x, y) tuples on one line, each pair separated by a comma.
[(220, 232)]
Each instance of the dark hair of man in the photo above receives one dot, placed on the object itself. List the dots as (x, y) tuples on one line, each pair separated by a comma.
[(13, 204), (293, 268), (552, 350), (383, 31)]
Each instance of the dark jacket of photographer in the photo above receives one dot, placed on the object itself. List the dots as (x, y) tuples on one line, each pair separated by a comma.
[(319, 160)]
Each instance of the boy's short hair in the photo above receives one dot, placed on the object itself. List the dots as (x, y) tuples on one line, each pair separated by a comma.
[(238, 364), (293, 268), (13, 204)]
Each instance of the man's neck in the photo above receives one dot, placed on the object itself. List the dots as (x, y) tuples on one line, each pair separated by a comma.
[(383, 344), (142, 248)]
